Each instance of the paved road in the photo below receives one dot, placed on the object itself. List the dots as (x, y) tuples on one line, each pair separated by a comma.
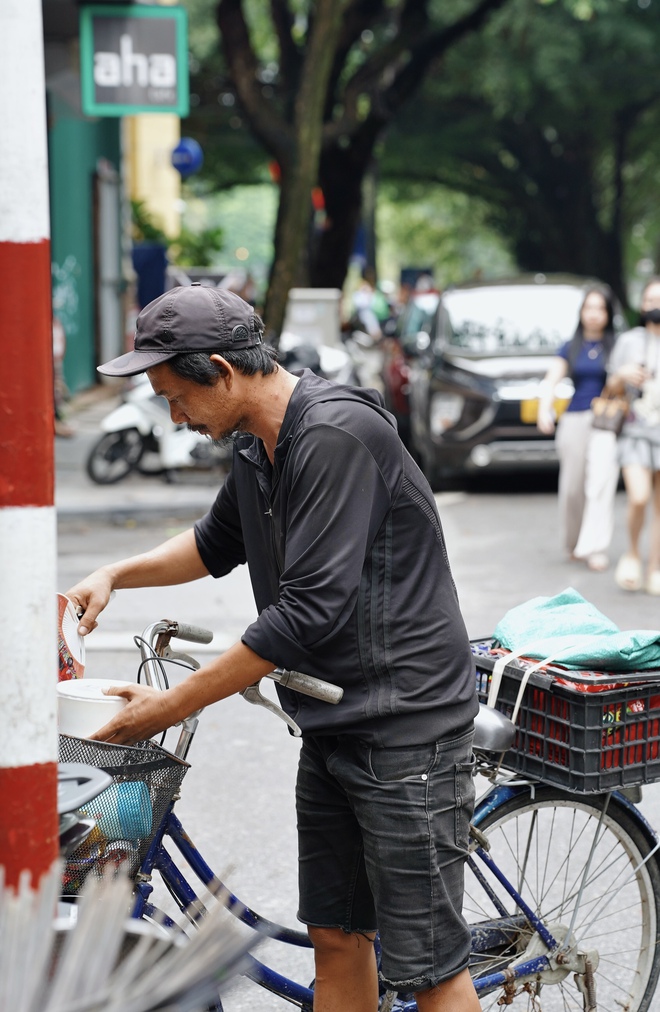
[(237, 801)]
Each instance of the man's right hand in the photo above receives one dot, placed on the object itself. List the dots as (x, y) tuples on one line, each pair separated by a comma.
[(90, 597)]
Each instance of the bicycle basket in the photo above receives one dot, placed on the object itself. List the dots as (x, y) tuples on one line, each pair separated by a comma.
[(128, 814)]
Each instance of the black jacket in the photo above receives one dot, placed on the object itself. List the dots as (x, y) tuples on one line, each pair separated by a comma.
[(349, 569)]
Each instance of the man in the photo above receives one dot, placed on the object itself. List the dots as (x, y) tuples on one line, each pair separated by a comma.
[(351, 578)]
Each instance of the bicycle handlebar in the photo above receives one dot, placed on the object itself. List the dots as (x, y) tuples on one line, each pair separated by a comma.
[(192, 633), (309, 685), (154, 648)]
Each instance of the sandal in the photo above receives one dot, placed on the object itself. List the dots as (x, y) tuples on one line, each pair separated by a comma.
[(653, 583), (598, 562), (629, 573)]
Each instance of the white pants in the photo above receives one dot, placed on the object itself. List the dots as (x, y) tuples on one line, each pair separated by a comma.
[(588, 476)]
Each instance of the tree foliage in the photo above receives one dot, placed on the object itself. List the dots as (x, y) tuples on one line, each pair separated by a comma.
[(545, 110), (318, 83), (553, 121)]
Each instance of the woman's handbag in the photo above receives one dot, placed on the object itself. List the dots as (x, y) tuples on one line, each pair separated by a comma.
[(609, 412)]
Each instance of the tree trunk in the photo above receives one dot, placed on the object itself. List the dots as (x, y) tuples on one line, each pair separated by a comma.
[(300, 172), (341, 174)]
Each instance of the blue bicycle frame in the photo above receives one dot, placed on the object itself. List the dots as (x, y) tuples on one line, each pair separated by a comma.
[(485, 937)]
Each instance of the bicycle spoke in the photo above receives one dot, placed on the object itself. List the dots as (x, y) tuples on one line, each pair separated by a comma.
[(544, 846)]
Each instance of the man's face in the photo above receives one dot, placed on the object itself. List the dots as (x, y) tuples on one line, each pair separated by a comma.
[(211, 411)]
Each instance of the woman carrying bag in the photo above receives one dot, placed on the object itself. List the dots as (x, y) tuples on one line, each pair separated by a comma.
[(588, 469), (635, 370)]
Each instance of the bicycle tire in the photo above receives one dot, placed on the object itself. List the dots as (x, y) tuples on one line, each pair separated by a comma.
[(114, 456), (542, 844)]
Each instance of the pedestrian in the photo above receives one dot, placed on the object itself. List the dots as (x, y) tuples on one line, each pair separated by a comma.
[(635, 370), (370, 307), (350, 573), (60, 392), (588, 468)]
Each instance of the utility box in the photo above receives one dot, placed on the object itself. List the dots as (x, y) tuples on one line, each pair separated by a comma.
[(313, 314)]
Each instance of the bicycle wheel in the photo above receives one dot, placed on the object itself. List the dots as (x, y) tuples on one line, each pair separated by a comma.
[(543, 845), (114, 456)]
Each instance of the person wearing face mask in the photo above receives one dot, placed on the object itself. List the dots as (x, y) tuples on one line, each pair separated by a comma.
[(635, 370), (588, 468)]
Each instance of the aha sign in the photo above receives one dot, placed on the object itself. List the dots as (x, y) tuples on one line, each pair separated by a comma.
[(133, 59)]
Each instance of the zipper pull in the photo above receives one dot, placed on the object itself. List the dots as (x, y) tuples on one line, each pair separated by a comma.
[(269, 513)]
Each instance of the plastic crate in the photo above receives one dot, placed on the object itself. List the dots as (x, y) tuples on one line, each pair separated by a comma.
[(587, 732), (145, 778)]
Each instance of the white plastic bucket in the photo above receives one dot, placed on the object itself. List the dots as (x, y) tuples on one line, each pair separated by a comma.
[(82, 706)]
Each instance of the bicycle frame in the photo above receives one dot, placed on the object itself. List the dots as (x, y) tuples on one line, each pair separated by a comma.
[(487, 935)]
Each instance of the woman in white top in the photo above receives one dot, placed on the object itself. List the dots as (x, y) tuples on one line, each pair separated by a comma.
[(635, 369), (588, 468)]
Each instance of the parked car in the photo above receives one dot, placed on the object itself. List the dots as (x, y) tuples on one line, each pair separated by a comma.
[(474, 390), (411, 336)]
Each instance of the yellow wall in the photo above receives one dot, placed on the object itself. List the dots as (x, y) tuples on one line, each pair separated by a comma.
[(148, 143), (149, 175)]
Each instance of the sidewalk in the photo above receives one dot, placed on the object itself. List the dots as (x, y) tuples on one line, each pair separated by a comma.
[(77, 497)]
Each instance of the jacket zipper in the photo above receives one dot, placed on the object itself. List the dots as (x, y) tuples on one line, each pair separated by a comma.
[(273, 539)]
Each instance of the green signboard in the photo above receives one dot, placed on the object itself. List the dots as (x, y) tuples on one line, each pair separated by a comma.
[(133, 58)]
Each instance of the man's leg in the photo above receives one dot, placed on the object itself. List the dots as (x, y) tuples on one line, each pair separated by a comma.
[(455, 995), (414, 805), (346, 976), (335, 898)]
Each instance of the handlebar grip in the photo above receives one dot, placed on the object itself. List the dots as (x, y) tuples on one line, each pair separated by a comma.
[(193, 633), (308, 685)]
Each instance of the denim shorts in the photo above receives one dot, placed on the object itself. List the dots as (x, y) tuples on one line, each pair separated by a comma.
[(383, 838)]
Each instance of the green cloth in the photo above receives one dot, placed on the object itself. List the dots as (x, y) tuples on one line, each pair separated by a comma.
[(573, 631)]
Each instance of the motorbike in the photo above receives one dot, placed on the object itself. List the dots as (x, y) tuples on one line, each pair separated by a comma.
[(140, 435)]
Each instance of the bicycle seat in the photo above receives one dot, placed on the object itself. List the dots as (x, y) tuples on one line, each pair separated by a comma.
[(493, 732)]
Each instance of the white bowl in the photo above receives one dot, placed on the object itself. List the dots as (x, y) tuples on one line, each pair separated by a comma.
[(82, 706)]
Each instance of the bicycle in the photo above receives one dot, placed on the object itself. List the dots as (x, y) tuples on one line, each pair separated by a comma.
[(562, 885)]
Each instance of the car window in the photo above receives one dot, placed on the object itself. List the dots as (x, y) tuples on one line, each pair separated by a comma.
[(506, 319)]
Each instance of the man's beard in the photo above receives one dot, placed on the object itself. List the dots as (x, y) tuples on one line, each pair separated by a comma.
[(225, 440)]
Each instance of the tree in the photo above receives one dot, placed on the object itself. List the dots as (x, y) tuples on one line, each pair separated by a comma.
[(321, 100), (553, 121)]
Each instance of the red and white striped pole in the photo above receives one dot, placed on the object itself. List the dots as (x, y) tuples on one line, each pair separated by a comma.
[(28, 643)]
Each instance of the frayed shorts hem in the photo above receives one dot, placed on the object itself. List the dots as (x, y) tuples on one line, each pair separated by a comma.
[(416, 984), (342, 927)]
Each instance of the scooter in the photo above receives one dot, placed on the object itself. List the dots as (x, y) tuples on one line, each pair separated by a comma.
[(140, 435)]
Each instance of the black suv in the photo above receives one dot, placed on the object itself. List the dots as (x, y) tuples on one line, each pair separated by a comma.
[(474, 390)]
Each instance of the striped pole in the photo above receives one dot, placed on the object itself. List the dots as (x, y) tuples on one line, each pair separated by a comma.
[(28, 643)]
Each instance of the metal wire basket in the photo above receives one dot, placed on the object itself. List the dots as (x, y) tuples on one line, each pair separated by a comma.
[(145, 778)]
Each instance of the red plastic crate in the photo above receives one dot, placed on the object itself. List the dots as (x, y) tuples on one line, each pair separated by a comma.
[(588, 732)]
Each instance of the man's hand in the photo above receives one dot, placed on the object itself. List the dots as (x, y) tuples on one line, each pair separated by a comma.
[(150, 711), (91, 596), (147, 712)]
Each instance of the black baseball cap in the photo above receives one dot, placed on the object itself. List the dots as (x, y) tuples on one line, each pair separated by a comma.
[(188, 318)]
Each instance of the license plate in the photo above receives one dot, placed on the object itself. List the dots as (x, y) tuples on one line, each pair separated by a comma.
[(529, 409)]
